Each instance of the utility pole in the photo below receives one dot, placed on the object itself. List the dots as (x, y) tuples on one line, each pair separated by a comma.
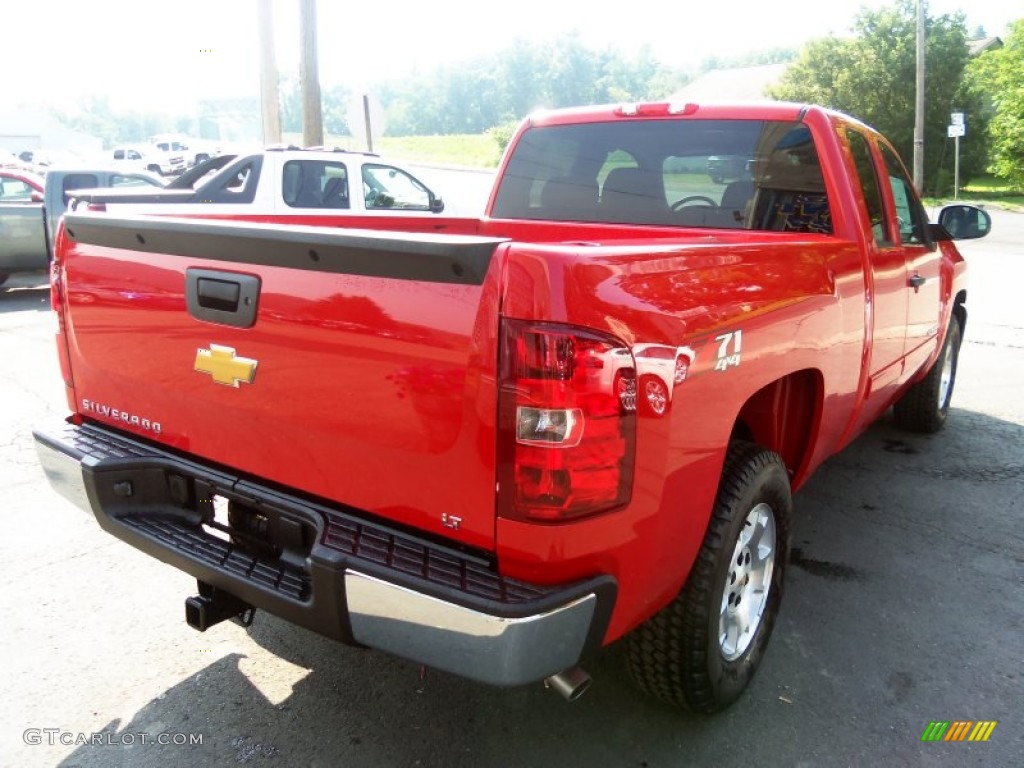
[(919, 105), (309, 74), (271, 105)]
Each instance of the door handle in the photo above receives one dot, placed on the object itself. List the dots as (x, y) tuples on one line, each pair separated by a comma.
[(222, 297)]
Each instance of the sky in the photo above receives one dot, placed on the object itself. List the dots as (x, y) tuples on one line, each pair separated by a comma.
[(165, 56)]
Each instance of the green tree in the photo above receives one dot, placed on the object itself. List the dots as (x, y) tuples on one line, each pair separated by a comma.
[(96, 117), (473, 96), (290, 101), (872, 76), (998, 74), (750, 59)]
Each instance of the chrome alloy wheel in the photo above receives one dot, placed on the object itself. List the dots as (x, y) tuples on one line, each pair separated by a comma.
[(657, 396), (747, 583), (946, 377)]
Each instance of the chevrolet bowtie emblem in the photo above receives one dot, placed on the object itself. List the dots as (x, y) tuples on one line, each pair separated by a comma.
[(221, 363)]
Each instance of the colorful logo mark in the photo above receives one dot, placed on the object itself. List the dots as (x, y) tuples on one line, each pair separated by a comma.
[(959, 730)]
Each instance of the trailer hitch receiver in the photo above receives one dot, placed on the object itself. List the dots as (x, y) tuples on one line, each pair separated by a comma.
[(212, 606)]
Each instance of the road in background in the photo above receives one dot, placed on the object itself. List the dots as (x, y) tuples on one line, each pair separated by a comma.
[(903, 606), (464, 190)]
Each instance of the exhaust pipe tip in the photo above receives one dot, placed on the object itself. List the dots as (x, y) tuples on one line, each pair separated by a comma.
[(570, 684)]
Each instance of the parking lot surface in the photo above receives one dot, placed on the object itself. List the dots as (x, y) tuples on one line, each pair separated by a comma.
[(905, 606)]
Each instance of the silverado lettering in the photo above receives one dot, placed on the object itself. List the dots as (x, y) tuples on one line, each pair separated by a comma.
[(495, 445), (117, 415)]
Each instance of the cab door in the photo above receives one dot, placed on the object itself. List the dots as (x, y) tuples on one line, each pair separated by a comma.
[(887, 282), (922, 260)]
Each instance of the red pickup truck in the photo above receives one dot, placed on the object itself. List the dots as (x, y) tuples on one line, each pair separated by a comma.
[(496, 445)]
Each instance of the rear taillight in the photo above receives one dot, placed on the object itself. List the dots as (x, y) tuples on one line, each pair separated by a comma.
[(567, 422), (57, 301), (56, 284)]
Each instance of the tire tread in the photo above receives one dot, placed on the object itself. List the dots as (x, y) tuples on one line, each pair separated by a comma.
[(668, 654), (917, 409)]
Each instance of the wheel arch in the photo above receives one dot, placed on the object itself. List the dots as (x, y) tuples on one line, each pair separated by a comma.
[(784, 416)]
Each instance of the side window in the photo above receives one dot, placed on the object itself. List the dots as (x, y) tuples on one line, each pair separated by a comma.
[(315, 184), (14, 190), (388, 187), (870, 188), (133, 155), (235, 183), (119, 154), (238, 182), (909, 214), (118, 180)]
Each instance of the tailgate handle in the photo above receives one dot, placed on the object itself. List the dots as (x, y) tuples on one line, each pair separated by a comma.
[(222, 297)]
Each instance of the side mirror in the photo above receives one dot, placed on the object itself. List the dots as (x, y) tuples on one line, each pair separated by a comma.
[(965, 222), (436, 204), (36, 197)]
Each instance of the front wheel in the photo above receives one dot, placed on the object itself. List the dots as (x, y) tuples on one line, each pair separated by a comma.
[(701, 651), (924, 407)]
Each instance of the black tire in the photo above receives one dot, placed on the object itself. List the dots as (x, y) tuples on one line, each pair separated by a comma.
[(924, 407), (678, 655)]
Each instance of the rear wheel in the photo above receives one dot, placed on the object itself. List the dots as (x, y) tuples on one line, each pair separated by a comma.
[(701, 651), (924, 407)]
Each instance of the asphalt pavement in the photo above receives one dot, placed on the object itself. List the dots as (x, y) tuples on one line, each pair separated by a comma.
[(905, 606)]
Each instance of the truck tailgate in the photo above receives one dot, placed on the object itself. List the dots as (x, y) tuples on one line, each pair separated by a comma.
[(355, 366)]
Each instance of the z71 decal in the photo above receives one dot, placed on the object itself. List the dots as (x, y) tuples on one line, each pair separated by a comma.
[(729, 347)]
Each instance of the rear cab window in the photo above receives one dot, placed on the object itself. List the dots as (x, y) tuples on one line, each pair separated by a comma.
[(74, 181), (730, 174), (119, 180)]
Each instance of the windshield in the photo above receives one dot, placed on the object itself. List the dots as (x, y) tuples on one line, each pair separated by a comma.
[(727, 174)]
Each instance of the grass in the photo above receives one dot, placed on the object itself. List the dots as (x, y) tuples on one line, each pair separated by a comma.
[(470, 150), (988, 190)]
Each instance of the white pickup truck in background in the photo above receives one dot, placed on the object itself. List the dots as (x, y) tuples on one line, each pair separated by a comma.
[(284, 181), (151, 158), (194, 151)]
